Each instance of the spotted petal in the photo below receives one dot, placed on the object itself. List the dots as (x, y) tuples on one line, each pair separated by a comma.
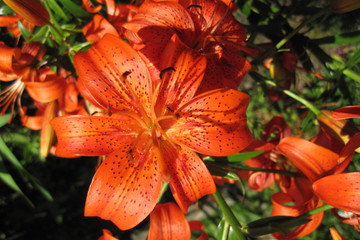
[(93, 136), (213, 123), (340, 190), (190, 179), (186, 69), (115, 75), (124, 190)]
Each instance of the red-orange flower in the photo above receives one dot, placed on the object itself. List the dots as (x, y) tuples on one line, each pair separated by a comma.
[(151, 130), (206, 26)]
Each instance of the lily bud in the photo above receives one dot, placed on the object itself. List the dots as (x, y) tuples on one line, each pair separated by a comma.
[(339, 129), (278, 72), (47, 132), (343, 6), (32, 10)]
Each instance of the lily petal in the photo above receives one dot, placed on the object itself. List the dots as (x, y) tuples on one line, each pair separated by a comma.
[(97, 28), (190, 179), (213, 123), (340, 190), (180, 83), (109, 69), (168, 222), (163, 14), (123, 190), (313, 160), (93, 136), (346, 112)]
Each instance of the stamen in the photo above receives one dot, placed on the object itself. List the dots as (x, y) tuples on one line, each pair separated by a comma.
[(10, 95)]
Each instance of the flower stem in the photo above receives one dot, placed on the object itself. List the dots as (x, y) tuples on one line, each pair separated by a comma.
[(293, 95), (229, 216), (320, 209)]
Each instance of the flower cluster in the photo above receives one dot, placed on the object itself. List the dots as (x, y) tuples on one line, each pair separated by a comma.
[(152, 90)]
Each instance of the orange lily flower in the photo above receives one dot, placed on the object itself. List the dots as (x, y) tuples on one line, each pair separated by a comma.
[(303, 198), (168, 222), (206, 26), (32, 10), (151, 131)]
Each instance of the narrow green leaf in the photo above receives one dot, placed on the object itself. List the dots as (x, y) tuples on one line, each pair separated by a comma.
[(40, 35), (6, 177), (75, 9), (24, 32), (351, 74), (6, 152), (57, 9), (239, 157)]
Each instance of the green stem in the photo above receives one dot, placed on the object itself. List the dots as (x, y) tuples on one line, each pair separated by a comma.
[(296, 30), (163, 190), (293, 95), (229, 216), (323, 208), (226, 231)]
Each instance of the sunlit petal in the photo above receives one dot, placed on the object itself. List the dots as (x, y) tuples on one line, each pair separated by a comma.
[(190, 179), (93, 136), (180, 82), (124, 190), (213, 123), (313, 160), (109, 69), (340, 190)]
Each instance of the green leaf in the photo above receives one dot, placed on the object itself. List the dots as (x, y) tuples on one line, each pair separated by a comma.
[(9, 180), (217, 170), (5, 10), (41, 35), (57, 9), (4, 119), (240, 157), (6, 152), (75, 9), (24, 32), (273, 224)]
